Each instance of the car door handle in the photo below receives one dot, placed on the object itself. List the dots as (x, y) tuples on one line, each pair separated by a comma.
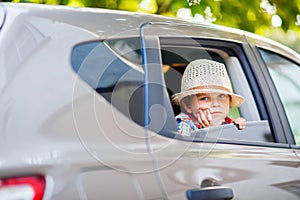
[(210, 193)]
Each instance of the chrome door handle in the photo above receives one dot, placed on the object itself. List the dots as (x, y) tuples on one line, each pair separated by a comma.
[(210, 193)]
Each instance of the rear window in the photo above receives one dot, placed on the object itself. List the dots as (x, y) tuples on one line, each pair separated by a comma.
[(113, 68)]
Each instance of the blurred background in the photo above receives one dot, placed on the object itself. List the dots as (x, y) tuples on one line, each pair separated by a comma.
[(275, 19)]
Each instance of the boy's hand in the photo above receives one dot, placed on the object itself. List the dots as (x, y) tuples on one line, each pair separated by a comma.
[(204, 118), (239, 122)]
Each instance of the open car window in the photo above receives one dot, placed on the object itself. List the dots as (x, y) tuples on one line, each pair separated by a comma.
[(180, 45), (176, 55)]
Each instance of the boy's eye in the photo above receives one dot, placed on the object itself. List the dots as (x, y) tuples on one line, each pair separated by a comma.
[(204, 98), (222, 96)]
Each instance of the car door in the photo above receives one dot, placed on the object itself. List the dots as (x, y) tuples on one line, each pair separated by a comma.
[(284, 70), (219, 162)]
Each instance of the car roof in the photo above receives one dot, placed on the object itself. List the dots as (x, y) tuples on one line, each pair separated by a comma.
[(116, 23)]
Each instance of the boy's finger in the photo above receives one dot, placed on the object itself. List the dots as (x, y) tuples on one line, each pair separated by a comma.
[(203, 117), (199, 119), (209, 117), (240, 123)]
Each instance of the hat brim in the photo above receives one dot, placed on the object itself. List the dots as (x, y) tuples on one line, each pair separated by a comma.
[(236, 100)]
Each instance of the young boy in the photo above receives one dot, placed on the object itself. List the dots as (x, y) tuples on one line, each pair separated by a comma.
[(206, 97)]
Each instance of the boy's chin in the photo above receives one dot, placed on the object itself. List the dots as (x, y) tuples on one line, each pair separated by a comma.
[(217, 121)]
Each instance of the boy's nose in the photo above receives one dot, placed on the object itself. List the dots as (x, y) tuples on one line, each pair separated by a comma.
[(215, 103)]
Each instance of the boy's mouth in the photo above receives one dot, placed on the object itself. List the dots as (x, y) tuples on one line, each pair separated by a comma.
[(216, 112)]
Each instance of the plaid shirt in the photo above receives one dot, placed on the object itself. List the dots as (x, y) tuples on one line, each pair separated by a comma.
[(185, 124)]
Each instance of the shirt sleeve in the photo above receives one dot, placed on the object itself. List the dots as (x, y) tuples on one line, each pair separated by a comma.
[(228, 120), (185, 124), (183, 127)]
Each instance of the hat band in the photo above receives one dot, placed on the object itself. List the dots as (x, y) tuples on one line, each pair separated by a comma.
[(212, 87)]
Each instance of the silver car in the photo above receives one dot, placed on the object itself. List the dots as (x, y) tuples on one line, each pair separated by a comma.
[(86, 109)]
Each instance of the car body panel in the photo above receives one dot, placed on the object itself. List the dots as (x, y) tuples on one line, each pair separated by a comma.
[(53, 123)]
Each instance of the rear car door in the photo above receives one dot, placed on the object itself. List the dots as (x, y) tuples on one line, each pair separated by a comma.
[(219, 162)]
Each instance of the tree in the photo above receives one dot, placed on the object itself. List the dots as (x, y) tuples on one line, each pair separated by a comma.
[(276, 19)]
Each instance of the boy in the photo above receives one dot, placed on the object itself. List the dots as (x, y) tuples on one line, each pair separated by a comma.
[(206, 97)]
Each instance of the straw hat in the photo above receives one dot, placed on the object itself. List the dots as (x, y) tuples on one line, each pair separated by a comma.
[(206, 76)]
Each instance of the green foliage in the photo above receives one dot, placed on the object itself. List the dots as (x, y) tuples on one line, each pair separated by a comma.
[(250, 15), (174, 6), (253, 16)]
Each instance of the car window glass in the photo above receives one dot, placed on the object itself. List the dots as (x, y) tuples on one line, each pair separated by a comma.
[(113, 69), (285, 75)]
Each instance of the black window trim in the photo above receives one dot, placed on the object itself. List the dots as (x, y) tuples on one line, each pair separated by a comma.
[(272, 102)]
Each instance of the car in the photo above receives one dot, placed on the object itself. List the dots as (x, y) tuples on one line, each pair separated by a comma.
[(86, 109)]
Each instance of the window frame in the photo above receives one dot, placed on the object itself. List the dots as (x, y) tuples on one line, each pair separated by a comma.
[(253, 82), (249, 62), (282, 115), (271, 101)]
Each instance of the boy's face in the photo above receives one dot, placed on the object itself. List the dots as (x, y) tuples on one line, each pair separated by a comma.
[(214, 104)]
